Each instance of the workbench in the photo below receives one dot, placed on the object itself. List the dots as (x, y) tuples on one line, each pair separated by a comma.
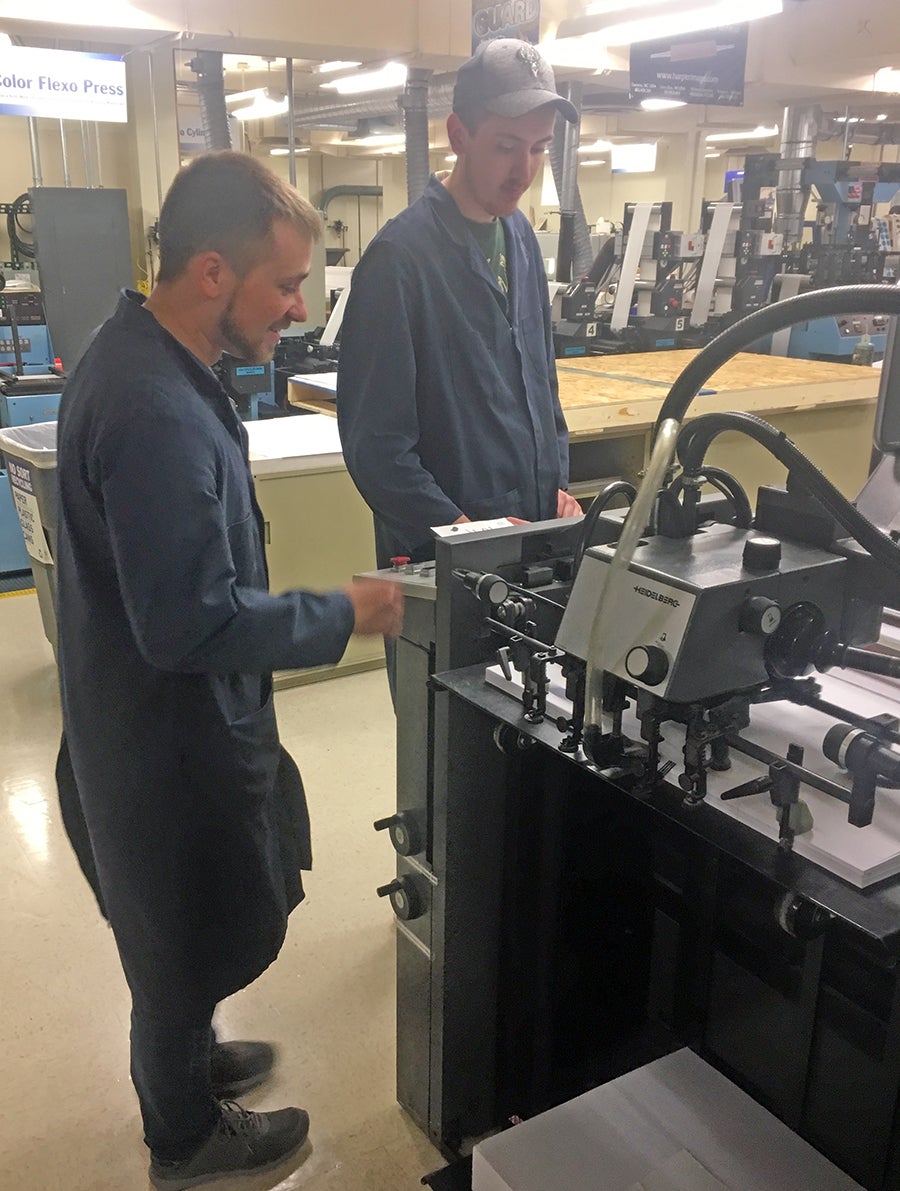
[(611, 404), (318, 528)]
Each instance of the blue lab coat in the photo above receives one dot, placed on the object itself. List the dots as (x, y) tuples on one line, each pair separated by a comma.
[(447, 396), (182, 805)]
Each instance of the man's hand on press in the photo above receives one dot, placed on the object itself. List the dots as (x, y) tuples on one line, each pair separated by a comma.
[(377, 607), (566, 505)]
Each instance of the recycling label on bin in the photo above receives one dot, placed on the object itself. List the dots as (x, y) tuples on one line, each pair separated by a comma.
[(29, 513)]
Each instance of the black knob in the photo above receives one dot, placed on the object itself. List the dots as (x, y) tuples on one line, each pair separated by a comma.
[(404, 831), (762, 554), (760, 616), (405, 896), (647, 663)]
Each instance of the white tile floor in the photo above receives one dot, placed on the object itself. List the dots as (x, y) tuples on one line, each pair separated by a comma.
[(68, 1115)]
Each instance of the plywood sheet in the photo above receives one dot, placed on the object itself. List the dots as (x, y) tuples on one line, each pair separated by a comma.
[(602, 393)]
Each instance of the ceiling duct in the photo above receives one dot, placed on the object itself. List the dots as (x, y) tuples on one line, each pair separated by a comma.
[(207, 66), (346, 114), (414, 103)]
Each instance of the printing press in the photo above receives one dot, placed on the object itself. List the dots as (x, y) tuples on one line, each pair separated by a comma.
[(649, 790)]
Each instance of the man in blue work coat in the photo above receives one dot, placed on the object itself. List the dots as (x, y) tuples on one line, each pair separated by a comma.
[(447, 396), (187, 815)]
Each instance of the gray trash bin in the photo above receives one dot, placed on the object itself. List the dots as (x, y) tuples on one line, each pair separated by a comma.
[(31, 460)]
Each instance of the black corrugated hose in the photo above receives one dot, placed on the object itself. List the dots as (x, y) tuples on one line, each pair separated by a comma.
[(696, 437), (21, 249)]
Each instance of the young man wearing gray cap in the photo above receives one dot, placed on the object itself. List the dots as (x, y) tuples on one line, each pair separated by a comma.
[(447, 395)]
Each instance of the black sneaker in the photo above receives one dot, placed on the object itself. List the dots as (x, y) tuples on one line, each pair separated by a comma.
[(239, 1066), (242, 1143)]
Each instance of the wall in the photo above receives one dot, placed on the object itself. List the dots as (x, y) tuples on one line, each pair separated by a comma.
[(17, 172)]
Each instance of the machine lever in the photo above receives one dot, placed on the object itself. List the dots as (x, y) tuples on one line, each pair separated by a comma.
[(759, 785)]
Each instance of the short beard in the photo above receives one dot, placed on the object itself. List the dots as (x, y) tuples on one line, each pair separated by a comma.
[(233, 336)]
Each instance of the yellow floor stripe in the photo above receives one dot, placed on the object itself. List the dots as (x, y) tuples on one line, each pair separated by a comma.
[(5, 595)]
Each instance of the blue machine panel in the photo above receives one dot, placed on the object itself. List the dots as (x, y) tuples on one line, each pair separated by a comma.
[(836, 338), (34, 343), (29, 408), (13, 555)]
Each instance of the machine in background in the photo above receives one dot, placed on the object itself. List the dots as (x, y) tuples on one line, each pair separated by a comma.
[(248, 385), (665, 289)]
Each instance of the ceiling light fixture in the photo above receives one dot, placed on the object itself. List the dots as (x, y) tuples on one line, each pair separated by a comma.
[(603, 8), (392, 74), (665, 20), (881, 116), (887, 79), (596, 147), (258, 104), (331, 67), (587, 52), (283, 152), (759, 133), (662, 105), (592, 162)]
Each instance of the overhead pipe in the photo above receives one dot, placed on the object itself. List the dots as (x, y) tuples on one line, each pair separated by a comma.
[(292, 135), (86, 156), (574, 256), (414, 105), (334, 192), (440, 103), (207, 66), (799, 130), (159, 193), (35, 152), (65, 153)]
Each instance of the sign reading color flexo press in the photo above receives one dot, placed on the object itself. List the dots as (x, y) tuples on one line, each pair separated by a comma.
[(62, 84)]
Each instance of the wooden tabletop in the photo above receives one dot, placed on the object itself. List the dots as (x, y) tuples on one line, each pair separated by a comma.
[(625, 392)]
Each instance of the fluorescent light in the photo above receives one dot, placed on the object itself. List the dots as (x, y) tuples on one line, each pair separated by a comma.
[(662, 105), (378, 138), (245, 96), (257, 104), (392, 74), (585, 52), (887, 79), (284, 152), (331, 67), (602, 8), (670, 22), (848, 119), (596, 147), (634, 159), (450, 157), (262, 108), (581, 164), (708, 155), (881, 116), (751, 134)]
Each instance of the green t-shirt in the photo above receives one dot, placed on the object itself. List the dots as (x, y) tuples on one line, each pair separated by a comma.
[(491, 240)]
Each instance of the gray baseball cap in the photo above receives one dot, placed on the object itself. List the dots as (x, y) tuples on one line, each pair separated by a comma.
[(507, 77)]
